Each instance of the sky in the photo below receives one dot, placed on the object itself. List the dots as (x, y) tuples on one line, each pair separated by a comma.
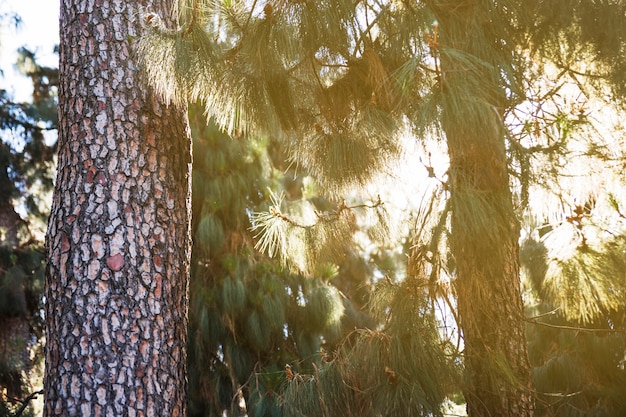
[(39, 32)]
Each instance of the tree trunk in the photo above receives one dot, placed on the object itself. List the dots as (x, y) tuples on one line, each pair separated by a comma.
[(485, 229), (118, 237)]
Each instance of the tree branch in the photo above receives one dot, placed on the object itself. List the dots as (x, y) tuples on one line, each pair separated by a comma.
[(26, 401), (575, 328)]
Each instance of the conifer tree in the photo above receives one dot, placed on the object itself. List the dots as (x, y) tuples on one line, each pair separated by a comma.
[(338, 80), (338, 92)]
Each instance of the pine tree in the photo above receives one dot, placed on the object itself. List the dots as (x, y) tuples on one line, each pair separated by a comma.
[(337, 81), (118, 240), (339, 93)]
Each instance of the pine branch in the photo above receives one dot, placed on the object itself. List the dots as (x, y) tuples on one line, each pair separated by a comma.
[(549, 313), (249, 18), (26, 401), (370, 26), (324, 217), (571, 71), (437, 233), (574, 328)]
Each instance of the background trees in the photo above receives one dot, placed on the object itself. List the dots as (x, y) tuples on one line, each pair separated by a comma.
[(249, 315), (339, 94), (26, 169), (354, 74)]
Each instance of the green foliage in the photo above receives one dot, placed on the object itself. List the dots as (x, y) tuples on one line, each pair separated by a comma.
[(329, 237), (324, 308), (578, 371), (248, 314), (336, 82), (589, 284), (12, 301), (233, 295), (26, 173), (211, 233), (285, 70), (583, 280), (45, 80), (577, 342), (569, 30), (402, 370)]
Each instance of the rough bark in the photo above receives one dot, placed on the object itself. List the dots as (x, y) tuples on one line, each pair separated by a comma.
[(118, 236), (485, 229)]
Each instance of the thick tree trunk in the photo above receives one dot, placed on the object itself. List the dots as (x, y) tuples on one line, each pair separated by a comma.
[(485, 229), (118, 237)]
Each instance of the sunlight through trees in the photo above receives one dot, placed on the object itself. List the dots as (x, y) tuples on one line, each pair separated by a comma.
[(398, 208)]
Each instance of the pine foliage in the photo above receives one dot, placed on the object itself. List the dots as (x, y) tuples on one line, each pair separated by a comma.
[(577, 354), (336, 82), (578, 373), (26, 172), (575, 278), (404, 369), (571, 31), (312, 72), (248, 314), (591, 283), (327, 238)]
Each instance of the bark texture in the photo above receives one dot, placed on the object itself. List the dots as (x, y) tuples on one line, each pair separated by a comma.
[(485, 229), (118, 237)]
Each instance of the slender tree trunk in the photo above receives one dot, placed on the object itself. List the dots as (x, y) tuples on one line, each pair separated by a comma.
[(485, 230), (118, 237)]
